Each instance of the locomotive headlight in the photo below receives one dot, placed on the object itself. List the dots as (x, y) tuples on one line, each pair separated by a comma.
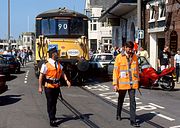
[(79, 40)]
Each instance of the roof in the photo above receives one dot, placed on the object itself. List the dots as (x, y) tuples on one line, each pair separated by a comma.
[(118, 9), (60, 12), (105, 4)]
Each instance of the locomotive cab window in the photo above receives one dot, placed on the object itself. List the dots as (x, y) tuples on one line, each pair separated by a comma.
[(48, 27), (76, 27)]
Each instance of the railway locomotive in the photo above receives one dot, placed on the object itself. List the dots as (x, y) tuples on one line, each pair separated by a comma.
[(66, 30)]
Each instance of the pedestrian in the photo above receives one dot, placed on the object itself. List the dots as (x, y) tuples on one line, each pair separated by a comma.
[(164, 58), (116, 51), (177, 64), (126, 78), (51, 71), (143, 52), (90, 53)]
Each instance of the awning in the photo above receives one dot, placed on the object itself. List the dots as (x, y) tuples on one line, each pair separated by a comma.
[(117, 10)]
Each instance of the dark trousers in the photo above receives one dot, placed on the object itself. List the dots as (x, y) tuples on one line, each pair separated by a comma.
[(51, 96), (177, 72), (122, 94)]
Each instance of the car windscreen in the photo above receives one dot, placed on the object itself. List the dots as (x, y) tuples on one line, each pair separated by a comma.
[(104, 57)]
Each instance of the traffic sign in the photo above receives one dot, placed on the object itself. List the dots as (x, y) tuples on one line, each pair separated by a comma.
[(140, 34)]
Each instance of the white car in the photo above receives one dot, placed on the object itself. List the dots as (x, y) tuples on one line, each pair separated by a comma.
[(100, 61)]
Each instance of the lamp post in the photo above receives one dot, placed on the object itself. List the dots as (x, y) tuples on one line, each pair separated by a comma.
[(139, 20), (9, 42)]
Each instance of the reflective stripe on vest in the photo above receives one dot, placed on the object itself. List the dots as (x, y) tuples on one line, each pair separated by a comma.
[(53, 74)]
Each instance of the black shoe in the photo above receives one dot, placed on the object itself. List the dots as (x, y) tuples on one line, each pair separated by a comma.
[(118, 118), (135, 124), (53, 123)]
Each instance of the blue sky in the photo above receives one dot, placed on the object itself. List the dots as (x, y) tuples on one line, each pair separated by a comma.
[(23, 13)]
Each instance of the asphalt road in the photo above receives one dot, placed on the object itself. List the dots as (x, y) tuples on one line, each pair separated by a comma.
[(89, 106)]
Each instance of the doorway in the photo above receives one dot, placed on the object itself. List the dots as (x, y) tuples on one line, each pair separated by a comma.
[(161, 44)]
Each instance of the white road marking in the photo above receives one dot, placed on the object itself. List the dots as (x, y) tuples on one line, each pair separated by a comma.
[(29, 63), (156, 105), (25, 79), (98, 87), (178, 126), (113, 96), (109, 93), (128, 104), (145, 107), (163, 116)]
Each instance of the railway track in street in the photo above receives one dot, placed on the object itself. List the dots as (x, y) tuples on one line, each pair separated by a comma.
[(115, 106), (78, 114)]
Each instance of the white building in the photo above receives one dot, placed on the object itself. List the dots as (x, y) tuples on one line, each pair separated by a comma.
[(122, 15), (100, 33), (5, 44), (28, 40)]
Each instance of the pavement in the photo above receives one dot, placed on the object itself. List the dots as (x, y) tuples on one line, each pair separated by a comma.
[(177, 85)]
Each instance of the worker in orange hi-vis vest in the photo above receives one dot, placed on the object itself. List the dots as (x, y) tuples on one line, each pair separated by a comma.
[(52, 71), (126, 78)]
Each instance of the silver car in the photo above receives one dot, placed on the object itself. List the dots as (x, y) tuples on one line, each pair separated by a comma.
[(100, 61)]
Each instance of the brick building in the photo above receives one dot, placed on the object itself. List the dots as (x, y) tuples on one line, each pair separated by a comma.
[(161, 23)]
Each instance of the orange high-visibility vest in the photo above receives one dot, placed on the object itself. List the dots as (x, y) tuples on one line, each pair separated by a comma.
[(53, 74), (122, 73)]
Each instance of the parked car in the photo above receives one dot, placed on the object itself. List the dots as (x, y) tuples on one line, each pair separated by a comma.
[(3, 86), (100, 61), (110, 68), (14, 64), (4, 67)]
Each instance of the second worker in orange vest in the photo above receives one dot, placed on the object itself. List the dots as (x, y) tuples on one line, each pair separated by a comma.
[(126, 78), (52, 71)]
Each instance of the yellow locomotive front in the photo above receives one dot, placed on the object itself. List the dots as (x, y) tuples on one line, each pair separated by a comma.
[(67, 31)]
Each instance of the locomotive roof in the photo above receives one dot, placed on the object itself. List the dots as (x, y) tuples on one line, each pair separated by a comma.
[(60, 12)]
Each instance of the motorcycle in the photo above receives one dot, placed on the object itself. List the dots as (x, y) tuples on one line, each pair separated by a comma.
[(150, 78)]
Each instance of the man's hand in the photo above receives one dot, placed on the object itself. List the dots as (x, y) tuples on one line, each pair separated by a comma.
[(68, 83), (115, 88), (40, 89)]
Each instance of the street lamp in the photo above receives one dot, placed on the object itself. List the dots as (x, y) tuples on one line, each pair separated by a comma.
[(9, 24)]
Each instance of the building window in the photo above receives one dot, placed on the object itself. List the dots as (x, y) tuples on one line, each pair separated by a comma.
[(94, 27), (152, 12), (91, 27), (28, 39), (106, 41), (162, 10), (102, 24), (110, 41), (24, 39)]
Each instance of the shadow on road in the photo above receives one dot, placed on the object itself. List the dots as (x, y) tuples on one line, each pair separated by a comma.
[(9, 99), (176, 89), (66, 118), (145, 117), (11, 77)]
